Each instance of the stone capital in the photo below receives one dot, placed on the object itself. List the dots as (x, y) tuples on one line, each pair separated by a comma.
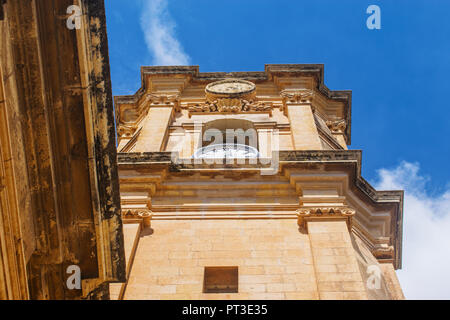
[(324, 213), (163, 100), (300, 96), (145, 215)]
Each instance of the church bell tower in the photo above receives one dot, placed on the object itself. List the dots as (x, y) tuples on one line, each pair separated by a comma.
[(241, 186)]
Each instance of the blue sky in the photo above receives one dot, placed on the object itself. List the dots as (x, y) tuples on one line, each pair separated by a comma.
[(398, 75)]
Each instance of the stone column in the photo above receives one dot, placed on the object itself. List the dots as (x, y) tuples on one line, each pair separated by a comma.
[(337, 272), (300, 112)]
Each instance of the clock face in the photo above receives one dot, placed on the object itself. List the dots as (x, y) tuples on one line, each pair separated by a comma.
[(231, 87)]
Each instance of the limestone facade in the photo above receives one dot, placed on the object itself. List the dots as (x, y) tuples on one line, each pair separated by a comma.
[(250, 170)]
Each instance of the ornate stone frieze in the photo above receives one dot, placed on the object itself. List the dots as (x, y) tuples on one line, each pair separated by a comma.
[(337, 126), (231, 106), (317, 213)]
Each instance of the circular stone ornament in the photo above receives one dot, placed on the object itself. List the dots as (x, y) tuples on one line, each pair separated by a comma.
[(230, 88)]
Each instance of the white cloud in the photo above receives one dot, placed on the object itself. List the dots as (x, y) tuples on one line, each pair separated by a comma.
[(426, 233), (159, 31)]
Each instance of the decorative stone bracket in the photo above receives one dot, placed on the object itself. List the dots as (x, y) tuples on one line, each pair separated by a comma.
[(144, 215), (324, 213), (383, 252), (337, 127)]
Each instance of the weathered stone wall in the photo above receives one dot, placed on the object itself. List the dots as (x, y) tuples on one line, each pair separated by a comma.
[(276, 260), (273, 257)]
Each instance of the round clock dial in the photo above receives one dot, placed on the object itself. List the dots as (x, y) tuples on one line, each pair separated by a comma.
[(230, 87)]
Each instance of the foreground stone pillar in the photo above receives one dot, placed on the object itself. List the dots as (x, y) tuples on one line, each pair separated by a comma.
[(59, 189)]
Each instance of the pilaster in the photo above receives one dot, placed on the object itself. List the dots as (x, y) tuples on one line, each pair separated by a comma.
[(300, 113), (335, 263), (154, 129)]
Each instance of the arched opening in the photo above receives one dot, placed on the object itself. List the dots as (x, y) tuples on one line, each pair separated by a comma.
[(228, 138)]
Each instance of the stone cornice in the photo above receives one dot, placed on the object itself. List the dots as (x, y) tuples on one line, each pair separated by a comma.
[(186, 74), (336, 160)]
